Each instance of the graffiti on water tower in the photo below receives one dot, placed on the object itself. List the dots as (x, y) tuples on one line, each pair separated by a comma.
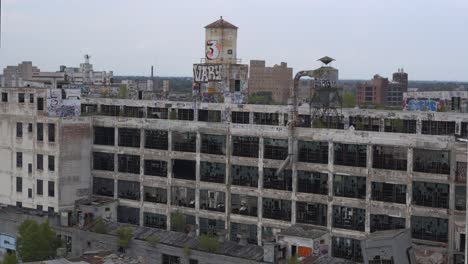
[(208, 72), (213, 49)]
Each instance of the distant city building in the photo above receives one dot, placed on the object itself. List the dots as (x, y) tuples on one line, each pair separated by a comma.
[(381, 91), (436, 101), (86, 75), (276, 80), (14, 75)]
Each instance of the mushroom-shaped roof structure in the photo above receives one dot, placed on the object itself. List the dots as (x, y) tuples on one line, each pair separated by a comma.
[(326, 60)]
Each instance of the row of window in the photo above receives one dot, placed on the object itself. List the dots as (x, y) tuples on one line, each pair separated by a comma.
[(39, 131), (39, 162), (39, 187), (22, 99)]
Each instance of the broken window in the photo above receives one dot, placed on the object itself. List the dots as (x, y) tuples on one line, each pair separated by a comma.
[(5, 97), (20, 97), (40, 131), (245, 232), (128, 190), (39, 162), (185, 114), (51, 188), (19, 184), (212, 200), (464, 130), (103, 186), (156, 168), (88, 109), (245, 146), (110, 110), (128, 215), (129, 137), (429, 228), (400, 126), (386, 222), (430, 127), (329, 122), (209, 115), (40, 104), (40, 187), (183, 196), (313, 151), (51, 163), (129, 163), (350, 155), (244, 204), (154, 220), (277, 209), (184, 141), (283, 181), (388, 192), (211, 226), (104, 136), (349, 186), (240, 117), (184, 169), (157, 113), (182, 222), (212, 172), (347, 248), (133, 111), (460, 172), (304, 121), (349, 218), (431, 194), (244, 176), (156, 139), (275, 149), (19, 130), (155, 195), (51, 132), (19, 159), (311, 213), (364, 123), (213, 144), (271, 119), (431, 161), (312, 182), (390, 158), (460, 198), (169, 259)]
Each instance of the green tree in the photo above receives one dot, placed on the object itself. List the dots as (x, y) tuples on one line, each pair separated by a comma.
[(124, 234), (349, 100), (100, 227), (177, 222), (293, 260), (10, 258), (123, 91), (153, 240), (209, 243), (36, 242)]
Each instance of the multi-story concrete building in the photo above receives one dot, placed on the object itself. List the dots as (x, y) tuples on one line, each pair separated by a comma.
[(396, 170), (276, 80), (14, 75)]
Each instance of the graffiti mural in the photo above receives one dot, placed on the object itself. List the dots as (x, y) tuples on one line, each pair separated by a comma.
[(208, 72), (213, 49), (422, 105), (63, 102)]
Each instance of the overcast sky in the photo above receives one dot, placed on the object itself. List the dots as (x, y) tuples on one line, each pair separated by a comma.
[(428, 38)]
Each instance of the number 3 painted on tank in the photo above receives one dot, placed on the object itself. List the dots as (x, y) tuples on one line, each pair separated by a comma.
[(212, 49)]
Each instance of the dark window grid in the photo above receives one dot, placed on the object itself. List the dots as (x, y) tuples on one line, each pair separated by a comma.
[(400, 126), (349, 218), (244, 205), (460, 198), (40, 187), (103, 161), (430, 127), (51, 132), (271, 119), (154, 220), (182, 196), (185, 142), (185, 114), (431, 194), (156, 168), (51, 163), (40, 162), (277, 209), (387, 192), (431, 161), (460, 172), (129, 137), (169, 259), (247, 231), (104, 136), (312, 182), (184, 169), (110, 110), (51, 189), (275, 149), (19, 159), (157, 113), (240, 117), (128, 190), (244, 176), (245, 147), (350, 155), (315, 152), (155, 195), (385, 222), (212, 201), (213, 144), (19, 184), (129, 163), (103, 186), (211, 226), (209, 115), (429, 228), (349, 186), (156, 139), (19, 130), (128, 215), (365, 123), (390, 158), (212, 172), (347, 248), (133, 111), (329, 122), (281, 182), (40, 131), (314, 214)]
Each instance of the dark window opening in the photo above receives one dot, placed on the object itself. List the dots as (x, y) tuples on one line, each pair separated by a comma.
[(133, 111), (103, 186), (129, 163), (5, 97), (245, 146), (313, 151), (30, 129), (155, 195), (20, 97), (212, 200), (365, 123), (311, 213), (312, 182), (154, 220), (400, 126), (40, 162), (209, 115), (347, 248), (103, 161), (212, 172), (88, 109), (275, 149), (390, 158), (429, 228), (349, 218), (431, 161), (185, 223), (129, 137), (183, 196), (240, 117), (39, 187), (156, 139), (51, 189), (19, 159), (350, 155), (51, 132), (304, 121), (169, 259), (244, 232), (213, 144), (157, 113), (104, 136), (349, 186), (328, 122), (29, 193), (184, 141), (156, 168), (386, 222), (460, 172), (460, 198), (40, 131), (431, 194), (29, 168), (271, 119), (283, 181), (388, 192), (244, 204), (430, 127), (19, 130), (110, 110), (19, 184), (211, 226), (51, 163), (128, 215), (128, 190), (244, 176), (40, 104), (184, 169), (277, 209), (185, 114)]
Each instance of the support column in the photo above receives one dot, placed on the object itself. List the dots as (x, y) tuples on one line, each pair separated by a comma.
[(197, 182), (228, 185), (451, 222), (294, 182), (409, 188), (260, 191), (331, 154), (368, 188), (169, 182), (142, 168)]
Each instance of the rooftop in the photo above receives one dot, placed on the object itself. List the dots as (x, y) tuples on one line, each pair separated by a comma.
[(221, 23)]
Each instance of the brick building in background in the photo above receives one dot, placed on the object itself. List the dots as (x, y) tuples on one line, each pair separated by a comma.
[(277, 80), (381, 91)]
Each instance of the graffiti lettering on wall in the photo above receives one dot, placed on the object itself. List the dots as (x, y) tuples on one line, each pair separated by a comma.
[(212, 49), (422, 105), (207, 72), (63, 102)]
